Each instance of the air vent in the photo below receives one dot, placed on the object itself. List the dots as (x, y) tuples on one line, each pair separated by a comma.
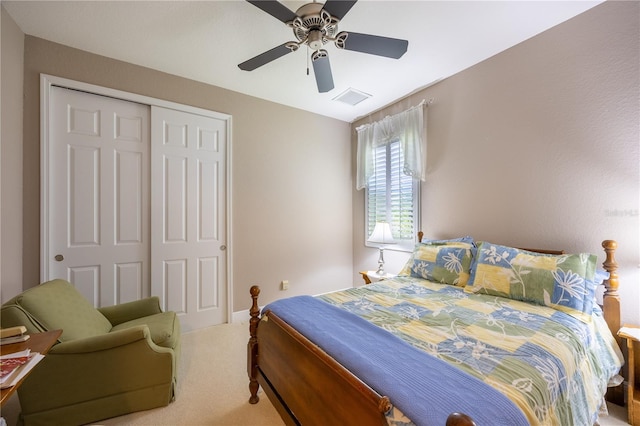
[(352, 96)]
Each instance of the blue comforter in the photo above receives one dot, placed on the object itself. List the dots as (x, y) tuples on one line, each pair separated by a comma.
[(424, 388)]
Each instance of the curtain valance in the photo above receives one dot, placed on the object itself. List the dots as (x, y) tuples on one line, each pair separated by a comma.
[(406, 127)]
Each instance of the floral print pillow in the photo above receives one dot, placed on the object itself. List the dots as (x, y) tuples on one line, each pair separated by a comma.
[(564, 282), (406, 269), (442, 262)]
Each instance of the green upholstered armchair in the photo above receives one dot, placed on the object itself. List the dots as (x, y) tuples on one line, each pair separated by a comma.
[(108, 361)]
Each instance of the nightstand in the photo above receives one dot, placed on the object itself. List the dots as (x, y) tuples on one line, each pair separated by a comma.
[(632, 336), (373, 276)]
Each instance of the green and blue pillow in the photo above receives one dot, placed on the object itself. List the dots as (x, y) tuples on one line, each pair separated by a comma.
[(564, 282), (442, 261)]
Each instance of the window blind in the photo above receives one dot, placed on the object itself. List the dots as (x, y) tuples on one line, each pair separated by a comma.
[(392, 196)]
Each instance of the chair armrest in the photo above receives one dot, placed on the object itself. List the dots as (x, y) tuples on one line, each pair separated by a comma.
[(117, 314), (12, 315), (97, 367), (105, 341)]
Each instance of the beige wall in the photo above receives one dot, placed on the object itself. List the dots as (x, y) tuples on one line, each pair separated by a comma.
[(557, 115), (538, 146), (291, 175), (12, 51)]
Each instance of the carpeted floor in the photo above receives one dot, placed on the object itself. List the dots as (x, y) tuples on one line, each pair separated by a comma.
[(213, 387)]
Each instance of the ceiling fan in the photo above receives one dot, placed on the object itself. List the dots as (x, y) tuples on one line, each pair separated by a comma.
[(315, 25)]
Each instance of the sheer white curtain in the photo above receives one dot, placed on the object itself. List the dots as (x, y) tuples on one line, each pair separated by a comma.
[(407, 127)]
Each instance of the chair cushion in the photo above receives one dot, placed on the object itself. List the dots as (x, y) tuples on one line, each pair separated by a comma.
[(58, 305), (164, 328)]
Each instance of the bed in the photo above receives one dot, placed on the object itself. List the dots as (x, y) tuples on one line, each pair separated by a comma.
[(467, 333)]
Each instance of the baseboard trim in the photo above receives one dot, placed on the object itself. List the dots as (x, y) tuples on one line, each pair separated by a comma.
[(240, 316)]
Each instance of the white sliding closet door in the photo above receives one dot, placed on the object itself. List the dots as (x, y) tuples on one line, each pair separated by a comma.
[(188, 216), (134, 202), (98, 197)]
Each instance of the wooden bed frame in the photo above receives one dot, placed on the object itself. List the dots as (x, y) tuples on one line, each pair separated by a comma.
[(309, 387)]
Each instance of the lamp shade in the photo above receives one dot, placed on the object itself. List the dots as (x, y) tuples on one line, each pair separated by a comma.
[(381, 234)]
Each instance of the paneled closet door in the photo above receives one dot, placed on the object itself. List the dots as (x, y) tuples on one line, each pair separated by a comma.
[(188, 216), (98, 195)]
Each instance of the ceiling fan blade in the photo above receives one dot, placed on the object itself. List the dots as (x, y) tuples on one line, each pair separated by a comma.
[(322, 71), (264, 58), (338, 8), (275, 9), (376, 45)]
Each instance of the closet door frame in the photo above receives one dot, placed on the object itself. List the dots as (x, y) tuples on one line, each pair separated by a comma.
[(46, 84)]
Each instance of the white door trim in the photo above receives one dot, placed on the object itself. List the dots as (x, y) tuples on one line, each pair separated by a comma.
[(46, 83)]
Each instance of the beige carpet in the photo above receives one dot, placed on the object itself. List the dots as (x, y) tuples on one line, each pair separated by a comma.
[(213, 387)]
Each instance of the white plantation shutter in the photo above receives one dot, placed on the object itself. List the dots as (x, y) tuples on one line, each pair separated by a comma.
[(392, 196)]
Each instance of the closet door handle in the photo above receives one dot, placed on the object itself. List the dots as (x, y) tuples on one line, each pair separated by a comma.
[(223, 247), (59, 257)]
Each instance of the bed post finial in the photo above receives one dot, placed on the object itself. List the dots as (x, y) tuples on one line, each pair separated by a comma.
[(611, 266), (252, 346), (420, 235), (459, 419)]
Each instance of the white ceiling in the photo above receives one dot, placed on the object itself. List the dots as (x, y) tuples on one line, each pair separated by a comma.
[(205, 40)]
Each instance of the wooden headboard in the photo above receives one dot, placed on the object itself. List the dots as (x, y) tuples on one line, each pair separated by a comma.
[(543, 251)]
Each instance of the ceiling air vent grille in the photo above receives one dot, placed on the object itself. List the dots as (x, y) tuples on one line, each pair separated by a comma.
[(352, 96)]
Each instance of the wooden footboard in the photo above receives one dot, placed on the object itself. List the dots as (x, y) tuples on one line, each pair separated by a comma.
[(305, 384), (309, 387), (316, 388)]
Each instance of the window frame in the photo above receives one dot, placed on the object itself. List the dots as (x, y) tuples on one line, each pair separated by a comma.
[(405, 244)]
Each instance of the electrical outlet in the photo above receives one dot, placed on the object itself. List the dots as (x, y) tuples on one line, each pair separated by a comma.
[(284, 285)]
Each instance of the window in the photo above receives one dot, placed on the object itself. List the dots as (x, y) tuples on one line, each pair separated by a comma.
[(392, 196), (391, 163)]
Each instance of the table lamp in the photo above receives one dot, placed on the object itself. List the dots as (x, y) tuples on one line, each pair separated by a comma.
[(381, 235)]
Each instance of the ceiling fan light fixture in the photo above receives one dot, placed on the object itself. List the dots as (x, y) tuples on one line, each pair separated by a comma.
[(352, 96), (314, 40)]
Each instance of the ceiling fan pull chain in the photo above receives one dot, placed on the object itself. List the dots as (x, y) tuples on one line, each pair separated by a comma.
[(307, 60)]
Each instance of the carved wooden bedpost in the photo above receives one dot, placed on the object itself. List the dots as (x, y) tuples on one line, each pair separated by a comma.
[(252, 346), (611, 298), (611, 308)]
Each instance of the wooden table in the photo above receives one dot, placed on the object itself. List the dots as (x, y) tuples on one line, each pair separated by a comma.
[(631, 333), (368, 276), (38, 342)]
